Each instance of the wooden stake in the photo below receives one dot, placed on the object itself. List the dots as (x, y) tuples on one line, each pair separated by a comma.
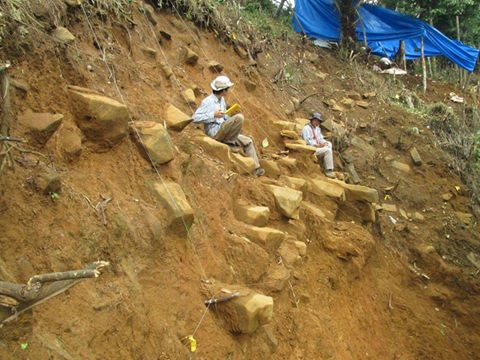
[(424, 67)]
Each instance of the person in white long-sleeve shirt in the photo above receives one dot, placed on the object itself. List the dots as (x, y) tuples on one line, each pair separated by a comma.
[(312, 134), (220, 126)]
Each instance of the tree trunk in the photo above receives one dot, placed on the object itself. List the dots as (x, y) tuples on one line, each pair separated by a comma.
[(424, 67), (5, 116), (347, 11), (280, 7)]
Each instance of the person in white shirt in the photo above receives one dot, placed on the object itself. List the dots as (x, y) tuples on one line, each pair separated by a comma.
[(312, 134), (220, 126)]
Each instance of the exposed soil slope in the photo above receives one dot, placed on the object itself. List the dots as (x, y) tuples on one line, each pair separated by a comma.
[(363, 290)]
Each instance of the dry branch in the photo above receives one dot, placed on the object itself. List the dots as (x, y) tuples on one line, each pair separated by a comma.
[(40, 288)]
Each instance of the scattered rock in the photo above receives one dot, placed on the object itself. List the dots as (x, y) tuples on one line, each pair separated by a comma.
[(40, 126), (400, 166), (176, 119), (277, 277), (294, 183), (289, 134), (189, 97), (73, 3), (268, 238), (353, 95), (154, 225), (352, 173), (417, 160), (285, 125), (289, 253), (301, 147), (151, 53), (250, 85), (369, 95), (271, 168), (363, 104), (288, 162), (403, 213), (253, 215), (243, 164), (313, 210), (190, 57), (173, 199), (240, 51), (465, 218), (287, 200), (215, 66), (20, 85), (71, 144), (153, 141), (321, 187), (301, 247), (358, 192), (418, 216), (248, 260), (167, 70), (348, 103), (101, 119), (365, 148), (47, 181), (216, 149), (244, 314), (296, 103), (447, 196), (62, 35), (389, 207)]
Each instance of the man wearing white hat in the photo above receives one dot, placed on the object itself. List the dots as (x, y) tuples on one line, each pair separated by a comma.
[(220, 126), (312, 135)]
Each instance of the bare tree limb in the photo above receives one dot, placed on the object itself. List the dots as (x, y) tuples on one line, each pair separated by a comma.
[(40, 288)]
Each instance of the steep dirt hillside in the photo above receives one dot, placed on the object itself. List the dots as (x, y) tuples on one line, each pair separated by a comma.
[(386, 269)]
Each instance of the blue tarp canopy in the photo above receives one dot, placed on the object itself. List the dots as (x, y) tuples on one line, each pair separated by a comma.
[(384, 29)]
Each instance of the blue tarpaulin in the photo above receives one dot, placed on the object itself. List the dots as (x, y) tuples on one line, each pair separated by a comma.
[(384, 29)]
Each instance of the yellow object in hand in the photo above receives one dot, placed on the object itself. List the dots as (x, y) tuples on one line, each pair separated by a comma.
[(233, 109)]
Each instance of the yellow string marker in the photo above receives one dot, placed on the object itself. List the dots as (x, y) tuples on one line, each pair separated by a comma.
[(387, 197), (192, 342)]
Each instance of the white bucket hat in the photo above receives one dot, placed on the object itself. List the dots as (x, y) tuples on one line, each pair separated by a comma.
[(221, 83)]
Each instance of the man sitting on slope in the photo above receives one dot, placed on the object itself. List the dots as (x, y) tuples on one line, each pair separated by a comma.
[(312, 135), (221, 127)]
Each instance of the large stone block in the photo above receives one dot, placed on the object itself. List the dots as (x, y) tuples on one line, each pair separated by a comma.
[(252, 215), (271, 168), (276, 277), (173, 199), (176, 119), (270, 239), (294, 183), (216, 148), (322, 187), (301, 147), (287, 200), (357, 192), (245, 313), (102, 119), (40, 126), (243, 164), (289, 252), (153, 141)]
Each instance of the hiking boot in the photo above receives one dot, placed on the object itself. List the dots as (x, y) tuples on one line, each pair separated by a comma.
[(259, 171), (330, 174)]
